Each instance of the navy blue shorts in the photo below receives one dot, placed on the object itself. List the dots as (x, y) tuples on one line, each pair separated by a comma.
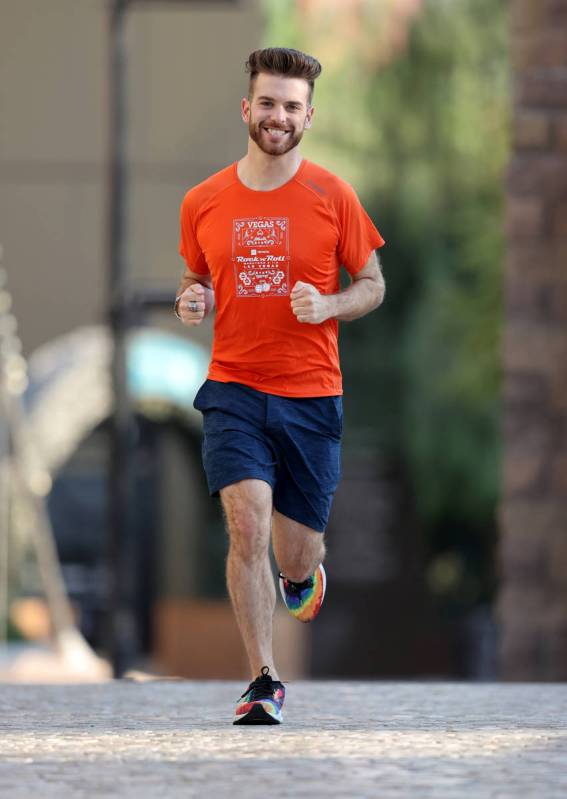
[(292, 443)]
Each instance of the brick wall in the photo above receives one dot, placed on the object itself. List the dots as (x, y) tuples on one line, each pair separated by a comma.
[(532, 604)]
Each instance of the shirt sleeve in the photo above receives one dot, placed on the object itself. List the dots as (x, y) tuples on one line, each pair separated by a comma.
[(189, 247), (358, 235)]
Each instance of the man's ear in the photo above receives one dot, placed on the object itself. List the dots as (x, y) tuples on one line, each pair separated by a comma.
[(245, 110), (309, 117)]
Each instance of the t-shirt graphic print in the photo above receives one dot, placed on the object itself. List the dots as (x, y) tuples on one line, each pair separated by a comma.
[(260, 254), (256, 245)]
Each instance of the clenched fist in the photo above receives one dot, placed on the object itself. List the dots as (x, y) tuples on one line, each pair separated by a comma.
[(308, 305), (191, 306)]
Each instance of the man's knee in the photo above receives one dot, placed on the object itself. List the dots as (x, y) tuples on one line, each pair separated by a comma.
[(248, 539), (248, 511), (299, 563)]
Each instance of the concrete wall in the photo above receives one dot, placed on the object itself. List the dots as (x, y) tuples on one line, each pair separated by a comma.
[(185, 79)]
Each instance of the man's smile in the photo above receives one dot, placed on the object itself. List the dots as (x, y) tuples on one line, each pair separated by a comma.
[(278, 132)]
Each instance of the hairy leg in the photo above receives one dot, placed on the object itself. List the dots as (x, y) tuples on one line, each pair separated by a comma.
[(248, 510), (298, 549)]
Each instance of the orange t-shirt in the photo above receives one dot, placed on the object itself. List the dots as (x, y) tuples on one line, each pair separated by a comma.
[(256, 245)]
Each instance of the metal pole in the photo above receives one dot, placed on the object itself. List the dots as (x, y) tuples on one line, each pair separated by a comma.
[(122, 624), (124, 638)]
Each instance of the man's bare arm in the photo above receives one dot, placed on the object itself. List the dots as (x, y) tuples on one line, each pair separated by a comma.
[(365, 293), (196, 297)]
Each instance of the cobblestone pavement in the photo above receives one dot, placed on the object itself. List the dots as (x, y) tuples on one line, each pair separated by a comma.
[(338, 740)]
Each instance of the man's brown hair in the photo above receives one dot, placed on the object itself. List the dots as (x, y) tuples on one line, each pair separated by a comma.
[(283, 61)]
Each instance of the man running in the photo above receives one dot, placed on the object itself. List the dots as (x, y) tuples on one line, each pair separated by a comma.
[(264, 240)]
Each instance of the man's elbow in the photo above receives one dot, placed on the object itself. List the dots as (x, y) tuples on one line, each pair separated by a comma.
[(378, 293), (377, 285)]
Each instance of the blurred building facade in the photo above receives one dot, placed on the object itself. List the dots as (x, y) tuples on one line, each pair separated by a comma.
[(185, 78), (533, 548)]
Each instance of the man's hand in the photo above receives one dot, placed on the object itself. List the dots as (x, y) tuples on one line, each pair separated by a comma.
[(308, 305), (191, 306)]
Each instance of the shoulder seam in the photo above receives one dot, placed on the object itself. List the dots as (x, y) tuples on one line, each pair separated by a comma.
[(213, 196), (326, 202)]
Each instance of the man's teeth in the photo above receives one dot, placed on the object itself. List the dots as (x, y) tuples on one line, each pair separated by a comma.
[(276, 131)]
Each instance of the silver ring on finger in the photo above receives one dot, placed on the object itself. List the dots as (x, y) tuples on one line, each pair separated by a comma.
[(193, 306)]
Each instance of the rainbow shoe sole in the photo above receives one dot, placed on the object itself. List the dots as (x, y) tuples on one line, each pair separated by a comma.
[(304, 600), (262, 701)]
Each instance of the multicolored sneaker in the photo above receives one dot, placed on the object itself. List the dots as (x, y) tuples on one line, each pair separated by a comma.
[(304, 600), (261, 702)]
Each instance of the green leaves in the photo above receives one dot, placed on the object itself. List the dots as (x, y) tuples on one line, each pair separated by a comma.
[(423, 135)]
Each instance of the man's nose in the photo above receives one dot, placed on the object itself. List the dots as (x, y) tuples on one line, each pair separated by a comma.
[(279, 114)]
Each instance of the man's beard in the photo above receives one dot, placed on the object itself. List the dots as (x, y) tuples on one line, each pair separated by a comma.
[(289, 141)]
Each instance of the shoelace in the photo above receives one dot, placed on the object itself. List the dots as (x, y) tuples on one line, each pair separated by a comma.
[(297, 588), (262, 687)]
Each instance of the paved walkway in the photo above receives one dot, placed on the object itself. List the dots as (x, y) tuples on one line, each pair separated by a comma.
[(124, 739)]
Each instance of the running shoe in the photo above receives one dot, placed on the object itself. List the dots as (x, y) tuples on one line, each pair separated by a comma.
[(304, 600), (261, 702)]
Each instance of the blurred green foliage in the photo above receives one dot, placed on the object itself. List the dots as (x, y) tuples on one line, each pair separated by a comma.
[(424, 139)]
